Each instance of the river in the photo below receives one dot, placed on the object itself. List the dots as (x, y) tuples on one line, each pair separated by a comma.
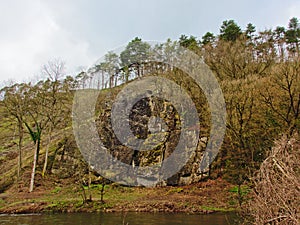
[(117, 219)]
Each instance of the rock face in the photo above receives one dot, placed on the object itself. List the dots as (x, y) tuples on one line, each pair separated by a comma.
[(158, 122)]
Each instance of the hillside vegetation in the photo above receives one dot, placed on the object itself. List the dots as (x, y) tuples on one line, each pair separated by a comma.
[(258, 71)]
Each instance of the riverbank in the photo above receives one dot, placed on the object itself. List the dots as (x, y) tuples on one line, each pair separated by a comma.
[(203, 198)]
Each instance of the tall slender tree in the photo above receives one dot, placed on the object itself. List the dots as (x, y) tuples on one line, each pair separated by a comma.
[(293, 35), (279, 37), (54, 70)]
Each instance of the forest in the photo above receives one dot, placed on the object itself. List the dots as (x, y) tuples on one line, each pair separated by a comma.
[(258, 72)]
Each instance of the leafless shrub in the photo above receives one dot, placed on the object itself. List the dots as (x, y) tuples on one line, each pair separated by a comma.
[(276, 194)]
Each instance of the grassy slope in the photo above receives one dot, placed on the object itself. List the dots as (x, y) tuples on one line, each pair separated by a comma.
[(65, 196)]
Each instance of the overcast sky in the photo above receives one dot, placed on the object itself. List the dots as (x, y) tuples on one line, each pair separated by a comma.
[(79, 32)]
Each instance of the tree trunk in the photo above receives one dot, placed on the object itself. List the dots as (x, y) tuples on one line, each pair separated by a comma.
[(20, 149), (89, 184), (102, 73), (102, 191), (116, 79), (111, 79), (38, 148), (34, 166), (240, 197), (83, 194), (47, 152)]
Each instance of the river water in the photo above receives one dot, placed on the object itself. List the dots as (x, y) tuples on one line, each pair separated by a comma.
[(118, 219)]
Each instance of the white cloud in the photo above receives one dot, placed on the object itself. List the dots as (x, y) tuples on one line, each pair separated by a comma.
[(294, 10), (30, 36), (78, 31)]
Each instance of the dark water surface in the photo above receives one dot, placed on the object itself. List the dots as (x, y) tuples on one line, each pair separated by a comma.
[(118, 219)]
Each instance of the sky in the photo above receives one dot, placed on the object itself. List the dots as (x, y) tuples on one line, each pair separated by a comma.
[(79, 32)]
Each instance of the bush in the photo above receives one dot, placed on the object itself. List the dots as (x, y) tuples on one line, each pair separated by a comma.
[(276, 195)]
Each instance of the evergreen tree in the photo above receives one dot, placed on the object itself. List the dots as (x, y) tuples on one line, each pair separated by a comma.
[(190, 43), (250, 30), (230, 31), (135, 55), (208, 38), (293, 35)]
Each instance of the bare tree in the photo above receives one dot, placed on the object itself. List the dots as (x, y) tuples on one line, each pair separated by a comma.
[(13, 100), (282, 95), (54, 70)]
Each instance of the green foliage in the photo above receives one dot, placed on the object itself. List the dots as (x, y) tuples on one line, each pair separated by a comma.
[(250, 30), (56, 190), (190, 43), (293, 32), (135, 52), (175, 190), (96, 187), (244, 190), (35, 135), (208, 38), (230, 31)]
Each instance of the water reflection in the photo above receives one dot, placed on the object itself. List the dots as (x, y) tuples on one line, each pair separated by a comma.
[(118, 219)]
